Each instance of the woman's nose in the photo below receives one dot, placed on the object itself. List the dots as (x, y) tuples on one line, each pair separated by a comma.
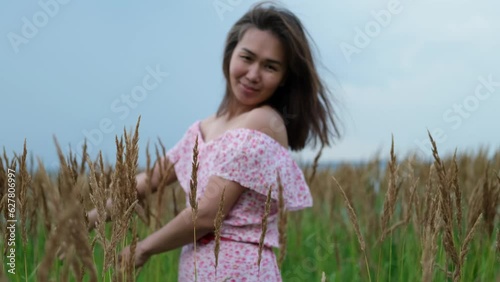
[(253, 73)]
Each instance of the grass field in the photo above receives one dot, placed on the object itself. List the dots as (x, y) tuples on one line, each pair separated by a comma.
[(400, 220)]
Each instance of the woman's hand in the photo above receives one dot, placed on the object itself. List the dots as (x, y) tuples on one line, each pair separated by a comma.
[(92, 219), (141, 257)]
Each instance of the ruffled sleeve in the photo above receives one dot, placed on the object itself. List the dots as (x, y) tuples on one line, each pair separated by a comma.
[(254, 160), (181, 155), (177, 150)]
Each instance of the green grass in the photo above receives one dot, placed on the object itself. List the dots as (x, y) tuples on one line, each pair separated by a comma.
[(315, 244)]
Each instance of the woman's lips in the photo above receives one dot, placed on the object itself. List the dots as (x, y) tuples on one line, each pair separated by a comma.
[(248, 88)]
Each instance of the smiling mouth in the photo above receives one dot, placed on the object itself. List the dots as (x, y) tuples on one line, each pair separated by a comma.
[(248, 88)]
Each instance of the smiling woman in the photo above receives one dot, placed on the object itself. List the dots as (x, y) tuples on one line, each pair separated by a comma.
[(257, 67), (274, 101)]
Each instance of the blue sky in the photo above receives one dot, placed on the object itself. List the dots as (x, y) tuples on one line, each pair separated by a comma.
[(77, 69)]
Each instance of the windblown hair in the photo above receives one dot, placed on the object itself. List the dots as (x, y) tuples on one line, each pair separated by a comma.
[(303, 101)]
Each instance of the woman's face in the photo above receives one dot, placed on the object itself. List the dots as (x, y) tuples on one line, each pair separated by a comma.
[(257, 67)]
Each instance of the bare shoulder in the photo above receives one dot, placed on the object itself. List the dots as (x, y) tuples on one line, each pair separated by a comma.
[(267, 120), (208, 119)]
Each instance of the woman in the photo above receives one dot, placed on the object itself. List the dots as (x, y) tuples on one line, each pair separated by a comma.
[(274, 100)]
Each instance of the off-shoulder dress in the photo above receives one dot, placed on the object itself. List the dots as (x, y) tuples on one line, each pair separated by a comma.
[(254, 160)]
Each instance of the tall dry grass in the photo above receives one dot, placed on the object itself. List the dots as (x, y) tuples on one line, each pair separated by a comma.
[(441, 216), (193, 200)]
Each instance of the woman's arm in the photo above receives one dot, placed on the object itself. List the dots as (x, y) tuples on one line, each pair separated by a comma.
[(168, 171), (179, 231), (142, 186)]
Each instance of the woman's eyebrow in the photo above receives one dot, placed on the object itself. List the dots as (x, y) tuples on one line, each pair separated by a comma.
[(268, 60)]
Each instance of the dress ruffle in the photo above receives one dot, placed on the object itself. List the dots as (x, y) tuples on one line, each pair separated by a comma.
[(255, 160)]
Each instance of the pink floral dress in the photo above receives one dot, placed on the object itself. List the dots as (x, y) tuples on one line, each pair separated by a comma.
[(253, 159)]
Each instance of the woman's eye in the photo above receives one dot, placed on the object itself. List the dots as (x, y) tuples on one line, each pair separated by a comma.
[(245, 58), (269, 67)]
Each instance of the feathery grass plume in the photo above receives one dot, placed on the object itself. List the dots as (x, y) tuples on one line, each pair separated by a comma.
[(66, 183), (406, 213), (6, 158), (34, 202), (446, 207), (70, 254), (193, 199), (133, 245), (458, 193), (174, 198), (165, 168), (83, 250), (217, 228), (169, 171), (354, 221), (81, 194), (411, 201), (78, 270), (118, 208), (105, 175), (99, 199), (475, 203), (64, 179), (131, 158), (465, 244), (123, 196), (429, 243), (323, 277), (102, 195), (69, 226), (160, 188), (489, 208), (145, 201), (24, 183), (315, 164), (267, 209), (435, 207), (84, 157), (43, 183), (426, 205), (71, 161), (282, 215), (447, 273), (391, 194)]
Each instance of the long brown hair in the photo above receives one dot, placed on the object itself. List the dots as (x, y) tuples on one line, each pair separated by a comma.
[(303, 100)]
